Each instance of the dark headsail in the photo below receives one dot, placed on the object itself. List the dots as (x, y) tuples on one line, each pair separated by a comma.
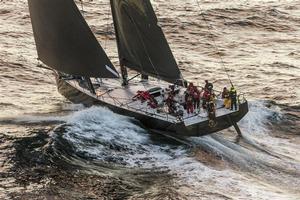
[(141, 43), (65, 42)]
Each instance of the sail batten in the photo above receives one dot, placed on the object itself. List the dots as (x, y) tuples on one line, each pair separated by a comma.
[(141, 43), (65, 42)]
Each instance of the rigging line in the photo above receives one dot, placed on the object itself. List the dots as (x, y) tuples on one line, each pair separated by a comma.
[(43, 69), (209, 26), (107, 29)]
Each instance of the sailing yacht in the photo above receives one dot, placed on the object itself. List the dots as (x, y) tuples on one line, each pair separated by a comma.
[(85, 74)]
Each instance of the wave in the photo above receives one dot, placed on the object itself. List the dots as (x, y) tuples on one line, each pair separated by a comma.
[(258, 155), (99, 134), (98, 139), (102, 138), (261, 115)]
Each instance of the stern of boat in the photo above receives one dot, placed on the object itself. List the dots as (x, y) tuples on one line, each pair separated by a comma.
[(221, 122)]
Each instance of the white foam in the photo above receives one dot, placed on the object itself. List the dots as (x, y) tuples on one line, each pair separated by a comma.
[(105, 136), (113, 137), (256, 128), (258, 117)]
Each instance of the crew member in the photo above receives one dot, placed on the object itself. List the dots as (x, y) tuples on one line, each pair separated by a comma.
[(225, 96), (142, 95), (189, 104), (190, 88), (186, 95), (211, 110), (209, 86), (196, 98), (233, 96), (171, 103), (153, 102), (205, 98)]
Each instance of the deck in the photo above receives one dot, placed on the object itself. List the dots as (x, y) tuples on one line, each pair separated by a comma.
[(111, 92)]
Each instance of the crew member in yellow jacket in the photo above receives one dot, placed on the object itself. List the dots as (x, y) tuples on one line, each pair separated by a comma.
[(225, 96)]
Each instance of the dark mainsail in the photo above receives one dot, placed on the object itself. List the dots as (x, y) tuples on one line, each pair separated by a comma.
[(65, 42), (141, 43)]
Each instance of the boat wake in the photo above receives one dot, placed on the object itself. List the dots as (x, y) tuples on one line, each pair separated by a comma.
[(258, 157), (102, 142), (100, 135)]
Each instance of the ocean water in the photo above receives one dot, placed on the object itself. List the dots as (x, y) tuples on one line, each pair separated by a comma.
[(52, 149)]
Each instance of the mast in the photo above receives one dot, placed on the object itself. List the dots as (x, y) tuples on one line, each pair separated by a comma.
[(90, 84), (124, 72)]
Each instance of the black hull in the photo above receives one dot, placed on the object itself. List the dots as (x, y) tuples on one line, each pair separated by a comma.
[(200, 129)]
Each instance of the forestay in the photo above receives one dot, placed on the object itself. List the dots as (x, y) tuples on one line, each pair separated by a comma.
[(65, 42)]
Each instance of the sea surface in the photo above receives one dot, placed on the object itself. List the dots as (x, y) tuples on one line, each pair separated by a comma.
[(52, 149)]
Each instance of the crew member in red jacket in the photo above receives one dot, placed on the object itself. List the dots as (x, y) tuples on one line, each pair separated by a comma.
[(206, 98), (196, 98), (189, 104)]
